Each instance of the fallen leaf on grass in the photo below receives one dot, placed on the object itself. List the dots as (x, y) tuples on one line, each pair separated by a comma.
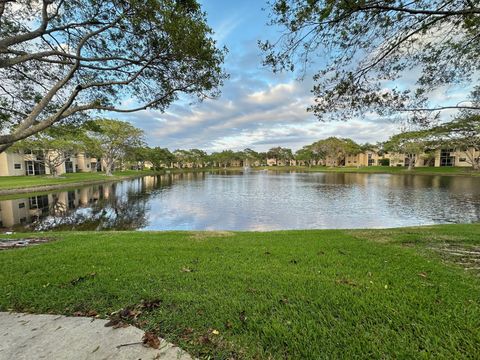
[(188, 331), (81, 279), (151, 340), (129, 313), (121, 318), (243, 317), (186, 270), (423, 274), (204, 339), (228, 325), (150, 304), (346, 282)]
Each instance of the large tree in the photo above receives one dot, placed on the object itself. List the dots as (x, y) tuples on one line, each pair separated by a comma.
[(198, 157), (306, 155), (280, 154), (335, 148), (412, 144), (223, 158), (249, 156), (160, 157), (362, 48), (62, 59), (111, 140)]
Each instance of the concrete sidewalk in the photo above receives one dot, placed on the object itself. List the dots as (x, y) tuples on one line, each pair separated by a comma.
[(25, 336)]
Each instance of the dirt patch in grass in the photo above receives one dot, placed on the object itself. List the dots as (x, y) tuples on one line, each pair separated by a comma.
[(468, 257), (405, 237), (203, 235), (6, 244), (451, 248)]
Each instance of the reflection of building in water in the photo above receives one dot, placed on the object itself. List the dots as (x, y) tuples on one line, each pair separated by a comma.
[(23, 211), (29, 210)]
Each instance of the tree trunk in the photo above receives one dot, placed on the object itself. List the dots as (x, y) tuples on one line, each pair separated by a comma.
[(411, 163), (108, 168)]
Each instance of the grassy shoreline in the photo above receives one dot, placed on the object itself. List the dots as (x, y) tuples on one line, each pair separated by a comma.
[(11, 185), (444, 171), (390, 293)]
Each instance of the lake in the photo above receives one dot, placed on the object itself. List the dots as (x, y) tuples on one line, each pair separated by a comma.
[(253, 200)]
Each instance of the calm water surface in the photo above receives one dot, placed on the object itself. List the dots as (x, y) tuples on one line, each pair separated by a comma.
[(263, 200)]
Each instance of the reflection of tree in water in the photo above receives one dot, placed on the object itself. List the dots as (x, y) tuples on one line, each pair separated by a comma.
[(118, 206)]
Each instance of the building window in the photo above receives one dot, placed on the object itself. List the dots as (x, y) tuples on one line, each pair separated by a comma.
[(68, 166), (34, 168), (445, 157), (38, 202), (17, 166), (21, 205), (462, 159)]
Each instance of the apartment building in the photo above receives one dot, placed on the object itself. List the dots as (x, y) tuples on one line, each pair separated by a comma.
[(439, 158), (32, 163)]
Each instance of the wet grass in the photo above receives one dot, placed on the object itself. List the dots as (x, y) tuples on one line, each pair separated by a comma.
[(293, 294)]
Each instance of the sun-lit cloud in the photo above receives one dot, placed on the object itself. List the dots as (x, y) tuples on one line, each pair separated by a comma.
[(257, 108)]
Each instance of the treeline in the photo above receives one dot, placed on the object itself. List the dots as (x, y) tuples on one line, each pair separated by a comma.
[(120, 143)]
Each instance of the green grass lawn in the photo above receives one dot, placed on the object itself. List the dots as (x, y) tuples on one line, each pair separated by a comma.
[(18, 182), (400, 293), (379, 169)]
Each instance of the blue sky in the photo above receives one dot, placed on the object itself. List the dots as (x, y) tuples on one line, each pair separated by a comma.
[(257, 109)]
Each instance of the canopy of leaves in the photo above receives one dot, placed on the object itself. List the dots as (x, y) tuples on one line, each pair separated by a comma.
[(410, 143), (61, 59), (111, 139), (463, 132), (362, 47), (280, 153), (334, 147)]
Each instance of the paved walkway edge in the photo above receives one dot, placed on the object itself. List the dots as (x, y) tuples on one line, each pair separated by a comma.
[(27, 336)]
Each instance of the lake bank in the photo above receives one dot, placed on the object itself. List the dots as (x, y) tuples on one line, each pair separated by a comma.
[(10, 185), (444, 171), (299, 294)]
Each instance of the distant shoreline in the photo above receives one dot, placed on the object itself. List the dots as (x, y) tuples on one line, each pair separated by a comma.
[(15, 185)]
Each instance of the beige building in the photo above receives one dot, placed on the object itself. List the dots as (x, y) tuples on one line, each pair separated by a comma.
[(31, 163), (439, 158), (459, 158), (275, 162)]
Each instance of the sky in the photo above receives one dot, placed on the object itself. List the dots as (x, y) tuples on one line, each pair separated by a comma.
[(257, 109)]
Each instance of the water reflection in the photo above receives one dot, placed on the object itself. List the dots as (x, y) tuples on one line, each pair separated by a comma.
[(250, 201)]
